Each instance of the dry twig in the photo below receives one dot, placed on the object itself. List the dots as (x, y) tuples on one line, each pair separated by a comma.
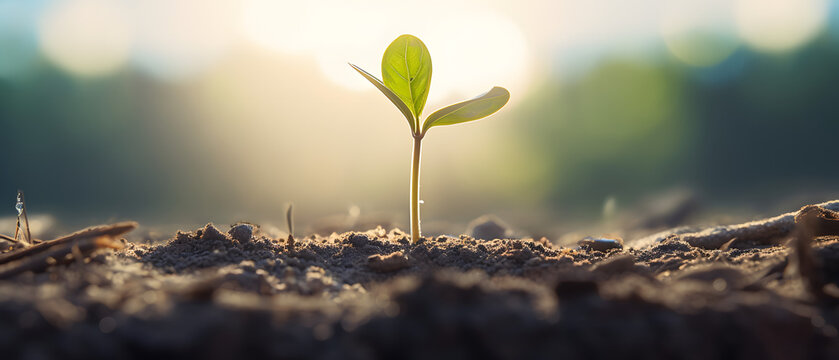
[(760, 232), (8, 238), (41, 256)]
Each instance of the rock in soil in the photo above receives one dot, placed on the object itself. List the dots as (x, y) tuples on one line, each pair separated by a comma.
[(601, 244), (241, 232), (388, 263), (488, 227)]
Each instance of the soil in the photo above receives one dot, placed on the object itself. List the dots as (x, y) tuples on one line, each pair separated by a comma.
[(216, 294)]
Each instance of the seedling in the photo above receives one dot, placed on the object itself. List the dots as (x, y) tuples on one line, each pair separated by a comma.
[(406, 70)]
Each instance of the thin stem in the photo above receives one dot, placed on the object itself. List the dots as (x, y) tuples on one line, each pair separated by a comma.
[(17, 229), (8, 238), (415, 173), (26, 220)]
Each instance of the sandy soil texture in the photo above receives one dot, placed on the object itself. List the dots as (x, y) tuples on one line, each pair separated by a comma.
[(219, 294)]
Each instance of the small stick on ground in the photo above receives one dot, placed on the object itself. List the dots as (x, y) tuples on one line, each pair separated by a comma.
[(8, 238), (107, 231), (761, 231), (40, 261)]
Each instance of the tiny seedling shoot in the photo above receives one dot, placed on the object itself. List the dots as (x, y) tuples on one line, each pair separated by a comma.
[(406, 70)]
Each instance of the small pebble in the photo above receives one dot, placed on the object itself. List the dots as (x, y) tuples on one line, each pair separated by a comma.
[(488, 227), (210, 232), (601, 244), (241, 232), (388, 263)]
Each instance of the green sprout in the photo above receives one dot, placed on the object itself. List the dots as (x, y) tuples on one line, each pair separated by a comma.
[(406, 70)]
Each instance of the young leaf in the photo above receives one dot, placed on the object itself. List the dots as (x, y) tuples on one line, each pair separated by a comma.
[(473, 109), (390, 95), (406, 69)]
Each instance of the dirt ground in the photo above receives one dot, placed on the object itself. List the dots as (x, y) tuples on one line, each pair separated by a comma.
[(764, 290)]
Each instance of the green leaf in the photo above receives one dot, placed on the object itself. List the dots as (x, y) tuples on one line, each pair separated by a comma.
[(390, 95), (473, 109), (406, 69)]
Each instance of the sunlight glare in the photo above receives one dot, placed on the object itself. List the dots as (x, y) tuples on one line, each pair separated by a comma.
[(86, 37), (278, 25), (472, 47), (780, 25), (174, 40)]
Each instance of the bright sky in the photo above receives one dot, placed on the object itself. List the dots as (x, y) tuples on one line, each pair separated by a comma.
[(471, 41)]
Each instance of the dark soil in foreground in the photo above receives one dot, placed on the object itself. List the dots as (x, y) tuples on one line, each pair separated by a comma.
[(371, 295)]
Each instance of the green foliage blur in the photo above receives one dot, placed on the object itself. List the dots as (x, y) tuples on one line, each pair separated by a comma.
[(751, 127), (118, 146)]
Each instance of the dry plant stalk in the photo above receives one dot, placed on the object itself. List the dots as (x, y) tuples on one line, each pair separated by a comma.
[(8, 238), (57, 255), (45, 254), (20, 206)]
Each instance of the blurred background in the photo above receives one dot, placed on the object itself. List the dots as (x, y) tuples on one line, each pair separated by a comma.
[(650, 113)]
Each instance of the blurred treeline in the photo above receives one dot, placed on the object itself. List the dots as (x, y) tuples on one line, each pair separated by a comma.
[(122, 145), (754, 126)]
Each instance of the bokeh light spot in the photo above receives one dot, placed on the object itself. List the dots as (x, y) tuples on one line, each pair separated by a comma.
[(780, 25), (173, 42), (698, 33), (86, 37)]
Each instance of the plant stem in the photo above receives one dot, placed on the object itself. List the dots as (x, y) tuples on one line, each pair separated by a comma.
[(26, 220), (415, 172)]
